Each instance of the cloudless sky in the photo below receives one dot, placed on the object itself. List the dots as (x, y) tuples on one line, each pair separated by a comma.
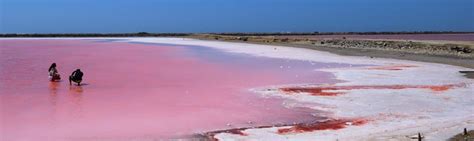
[(113, 16)]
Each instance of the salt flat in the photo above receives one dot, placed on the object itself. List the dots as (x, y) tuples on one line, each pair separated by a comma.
[(439, 105)]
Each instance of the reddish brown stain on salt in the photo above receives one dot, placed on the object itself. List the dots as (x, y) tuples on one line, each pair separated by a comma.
[(237, 132), (440, 88), (322, 90), (319, 91), (392, 67), (326, 125)]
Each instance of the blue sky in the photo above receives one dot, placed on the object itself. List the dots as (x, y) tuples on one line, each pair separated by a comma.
[(113, 16)]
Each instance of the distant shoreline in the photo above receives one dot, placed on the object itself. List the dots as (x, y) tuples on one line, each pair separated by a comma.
[(458, 53), (79, 35), (147, 34)]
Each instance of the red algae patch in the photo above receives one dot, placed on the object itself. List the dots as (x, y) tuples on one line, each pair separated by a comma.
[(323, 90), (392, 67), (440, 88), (237, 132), (315, 91), (333, 124)]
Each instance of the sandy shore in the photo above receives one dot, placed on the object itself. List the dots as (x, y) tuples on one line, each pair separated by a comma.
[(430, 54), (427, 54)]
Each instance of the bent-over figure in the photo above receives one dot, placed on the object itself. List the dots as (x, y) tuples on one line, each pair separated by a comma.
[(76, 76)]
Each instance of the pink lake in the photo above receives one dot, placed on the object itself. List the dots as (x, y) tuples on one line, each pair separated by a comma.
[(140, 91)]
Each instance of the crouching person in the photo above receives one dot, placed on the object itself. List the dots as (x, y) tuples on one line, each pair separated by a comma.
[(53, 73), (76, 76)]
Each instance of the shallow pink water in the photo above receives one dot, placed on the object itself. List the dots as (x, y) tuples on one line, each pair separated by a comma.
[(137, 91)]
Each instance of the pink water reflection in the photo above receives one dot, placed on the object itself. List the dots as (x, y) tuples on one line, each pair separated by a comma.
[(135, 91)]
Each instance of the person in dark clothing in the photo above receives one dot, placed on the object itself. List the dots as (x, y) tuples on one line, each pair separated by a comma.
[(53, 73), (76, 76)]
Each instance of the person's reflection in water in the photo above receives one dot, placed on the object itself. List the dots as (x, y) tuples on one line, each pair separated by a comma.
[(75, 95), (53, 99), (53, 93)]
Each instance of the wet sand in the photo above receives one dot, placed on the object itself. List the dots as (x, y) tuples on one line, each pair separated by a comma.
[(457, 61)]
